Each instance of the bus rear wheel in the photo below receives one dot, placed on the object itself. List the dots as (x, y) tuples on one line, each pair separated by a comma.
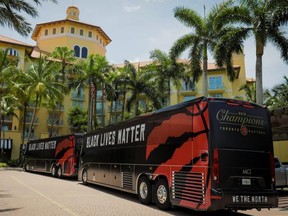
[(84, 176), (162, 197), (53, 171), (26, 167), (59, 172), (144, 190)]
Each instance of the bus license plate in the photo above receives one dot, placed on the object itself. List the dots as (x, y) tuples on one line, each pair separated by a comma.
[(246, 181)]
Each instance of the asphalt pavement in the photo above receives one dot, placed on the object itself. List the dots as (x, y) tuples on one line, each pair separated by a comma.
[(23, 193)]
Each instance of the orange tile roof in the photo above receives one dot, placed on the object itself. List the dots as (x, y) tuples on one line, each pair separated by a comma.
[(13, 41), (250, 80), (39, 26), (211, 66)]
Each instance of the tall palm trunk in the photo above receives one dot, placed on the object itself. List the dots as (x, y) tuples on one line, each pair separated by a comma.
[(205, 71), (115, 110), (60, 104), (136, 104), (259, 78), (90, 102), (89, 115), (2, 122), (123, 105), (24, 122), (259, 83), (94, 110), (33, 118), (102, 113), (102, 106), (111, 110), (169, 93)]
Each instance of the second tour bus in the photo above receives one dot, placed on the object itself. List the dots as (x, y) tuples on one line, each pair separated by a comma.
[(57, 155), (205, 154)]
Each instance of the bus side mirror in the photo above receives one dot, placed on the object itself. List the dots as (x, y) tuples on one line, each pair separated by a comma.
[(277, 164)]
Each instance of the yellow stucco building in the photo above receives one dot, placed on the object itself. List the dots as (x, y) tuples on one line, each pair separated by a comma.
[(86, 39)]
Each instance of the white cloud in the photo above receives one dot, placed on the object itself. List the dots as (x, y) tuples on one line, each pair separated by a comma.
[(132, 8)]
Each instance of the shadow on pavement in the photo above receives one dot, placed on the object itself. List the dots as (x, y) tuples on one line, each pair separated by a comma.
[(9, 210), (175, 210)]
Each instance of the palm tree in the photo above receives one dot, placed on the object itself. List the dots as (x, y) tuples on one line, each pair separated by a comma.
[(8, 104), (23, 98), (111, 90), (139, 82), (66, 58), (7, 107), (91, 73), (198, 42), (39, 82), (260, 18), (167, 70), (11, 14), (278, 96), (7, 67), (250, 90)]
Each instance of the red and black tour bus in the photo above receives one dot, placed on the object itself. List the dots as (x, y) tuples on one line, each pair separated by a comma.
[(205, 154), (57, 155)]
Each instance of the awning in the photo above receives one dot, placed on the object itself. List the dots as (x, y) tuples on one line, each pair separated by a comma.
[(6, 143)]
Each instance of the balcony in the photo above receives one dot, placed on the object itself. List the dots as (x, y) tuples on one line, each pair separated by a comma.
[(54, 122), (8, 118), (118, 108), (58, 107), (29, 119), (188, 88), (76, 96)]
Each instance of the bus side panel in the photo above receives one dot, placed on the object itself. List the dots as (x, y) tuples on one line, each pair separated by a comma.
[(39, 155)]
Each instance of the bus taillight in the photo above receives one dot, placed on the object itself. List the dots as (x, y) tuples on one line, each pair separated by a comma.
[(215, 166), (272, 167)]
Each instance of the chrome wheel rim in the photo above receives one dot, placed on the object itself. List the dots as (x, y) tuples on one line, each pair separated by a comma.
[(143, 190), (53, 171), (84, 176), (162, 194)]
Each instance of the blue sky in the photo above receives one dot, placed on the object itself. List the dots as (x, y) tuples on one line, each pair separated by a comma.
[(137, 27)]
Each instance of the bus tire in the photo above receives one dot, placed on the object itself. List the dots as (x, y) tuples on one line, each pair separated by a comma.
[(144, 190), (59, 172), (53, 171), (162, 195), (26, 167), (85, 177)]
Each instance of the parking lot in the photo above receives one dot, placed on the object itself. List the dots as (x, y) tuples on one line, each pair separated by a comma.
[(23, 193)]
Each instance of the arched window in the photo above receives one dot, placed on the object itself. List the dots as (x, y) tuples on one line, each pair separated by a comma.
[(13, 52), (84, 53), (77, 51)]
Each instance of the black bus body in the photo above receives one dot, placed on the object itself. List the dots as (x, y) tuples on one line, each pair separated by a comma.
[(205, 154), (57, 155)]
